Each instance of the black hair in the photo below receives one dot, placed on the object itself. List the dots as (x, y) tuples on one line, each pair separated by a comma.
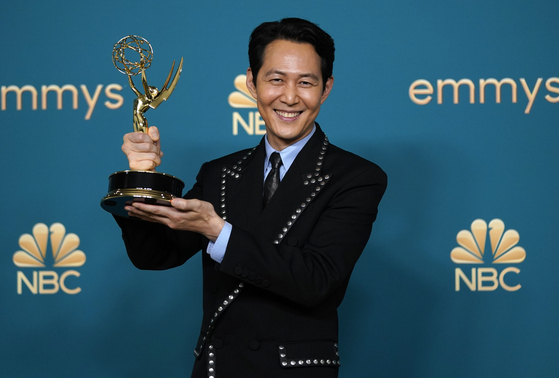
[(294, 30)]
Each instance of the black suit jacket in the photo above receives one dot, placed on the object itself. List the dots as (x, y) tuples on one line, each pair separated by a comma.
[(270, 307)]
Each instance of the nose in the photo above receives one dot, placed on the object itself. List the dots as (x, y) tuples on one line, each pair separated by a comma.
[(290, 95)]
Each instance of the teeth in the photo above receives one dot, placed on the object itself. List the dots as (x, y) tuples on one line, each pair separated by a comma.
[(288, 115)]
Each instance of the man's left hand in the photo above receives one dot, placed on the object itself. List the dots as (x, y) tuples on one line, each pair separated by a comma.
[(189, 215)]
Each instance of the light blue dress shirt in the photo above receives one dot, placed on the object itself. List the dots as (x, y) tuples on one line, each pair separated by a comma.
[(217, 250)]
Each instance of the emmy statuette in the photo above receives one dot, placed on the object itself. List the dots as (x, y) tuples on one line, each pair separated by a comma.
[(145, 186)]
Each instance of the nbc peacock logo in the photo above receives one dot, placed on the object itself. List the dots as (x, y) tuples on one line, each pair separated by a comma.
[(472, 250), (34, 254), (242, 99)]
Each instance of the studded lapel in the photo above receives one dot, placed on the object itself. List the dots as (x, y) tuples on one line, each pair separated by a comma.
[(242, 189)]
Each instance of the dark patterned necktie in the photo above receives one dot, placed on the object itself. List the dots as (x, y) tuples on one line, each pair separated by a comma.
[(273, 178)]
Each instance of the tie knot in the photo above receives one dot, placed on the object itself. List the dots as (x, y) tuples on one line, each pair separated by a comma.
[(275, 159)]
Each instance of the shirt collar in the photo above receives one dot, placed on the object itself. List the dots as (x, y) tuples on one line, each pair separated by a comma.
[(289, 153)]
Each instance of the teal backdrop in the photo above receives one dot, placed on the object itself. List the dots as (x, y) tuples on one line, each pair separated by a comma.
[(489, 151)]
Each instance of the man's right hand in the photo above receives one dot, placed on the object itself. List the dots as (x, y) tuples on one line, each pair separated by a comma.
[(143, 150)]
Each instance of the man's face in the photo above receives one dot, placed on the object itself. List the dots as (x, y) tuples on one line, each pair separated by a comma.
[(289, 91)]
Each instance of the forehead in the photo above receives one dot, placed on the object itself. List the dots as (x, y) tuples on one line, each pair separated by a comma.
[(292, 56)]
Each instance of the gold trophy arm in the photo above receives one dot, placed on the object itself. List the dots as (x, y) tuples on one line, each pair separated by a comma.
[(145, 84), (166, 92), (131, 82)]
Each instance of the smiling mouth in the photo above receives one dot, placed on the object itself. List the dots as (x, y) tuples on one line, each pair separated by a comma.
[(288, 115)]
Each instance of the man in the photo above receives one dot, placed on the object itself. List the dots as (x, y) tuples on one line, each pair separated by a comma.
[(276, 258)]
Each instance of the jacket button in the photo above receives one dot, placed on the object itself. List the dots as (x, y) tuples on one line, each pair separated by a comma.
[(254, 344), (252, 276), (292, 241), (213, 288), (265, 283), (238, 270), (244, 274), (217, 343)]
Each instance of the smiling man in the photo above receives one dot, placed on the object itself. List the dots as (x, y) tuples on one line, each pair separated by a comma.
[(280, 226)]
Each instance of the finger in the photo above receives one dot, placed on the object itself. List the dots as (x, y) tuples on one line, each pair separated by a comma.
[(144, 164), (137, 137), (152, 213)]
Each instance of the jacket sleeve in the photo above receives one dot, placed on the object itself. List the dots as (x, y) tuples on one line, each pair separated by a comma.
[(309, 273)]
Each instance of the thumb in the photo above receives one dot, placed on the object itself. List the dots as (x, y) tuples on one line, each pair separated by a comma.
[(153, 133), (179, 204)]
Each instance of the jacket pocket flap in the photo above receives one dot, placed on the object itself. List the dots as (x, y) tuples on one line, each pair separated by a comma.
[(309, 353)]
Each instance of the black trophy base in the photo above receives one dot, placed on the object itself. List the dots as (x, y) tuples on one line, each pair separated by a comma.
[(126, 187)]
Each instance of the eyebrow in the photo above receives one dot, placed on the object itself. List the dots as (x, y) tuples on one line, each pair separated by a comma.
[(274, 71)]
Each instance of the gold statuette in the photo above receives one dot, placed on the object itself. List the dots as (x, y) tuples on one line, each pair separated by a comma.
[(146, 186)]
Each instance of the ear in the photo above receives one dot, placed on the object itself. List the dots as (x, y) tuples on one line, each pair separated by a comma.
[(250, 83), (327, 89)]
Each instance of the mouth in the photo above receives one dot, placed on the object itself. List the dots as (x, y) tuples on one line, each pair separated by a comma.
[(287, 116)]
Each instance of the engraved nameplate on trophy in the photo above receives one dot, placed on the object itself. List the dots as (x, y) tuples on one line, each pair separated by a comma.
[(146, 186)]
